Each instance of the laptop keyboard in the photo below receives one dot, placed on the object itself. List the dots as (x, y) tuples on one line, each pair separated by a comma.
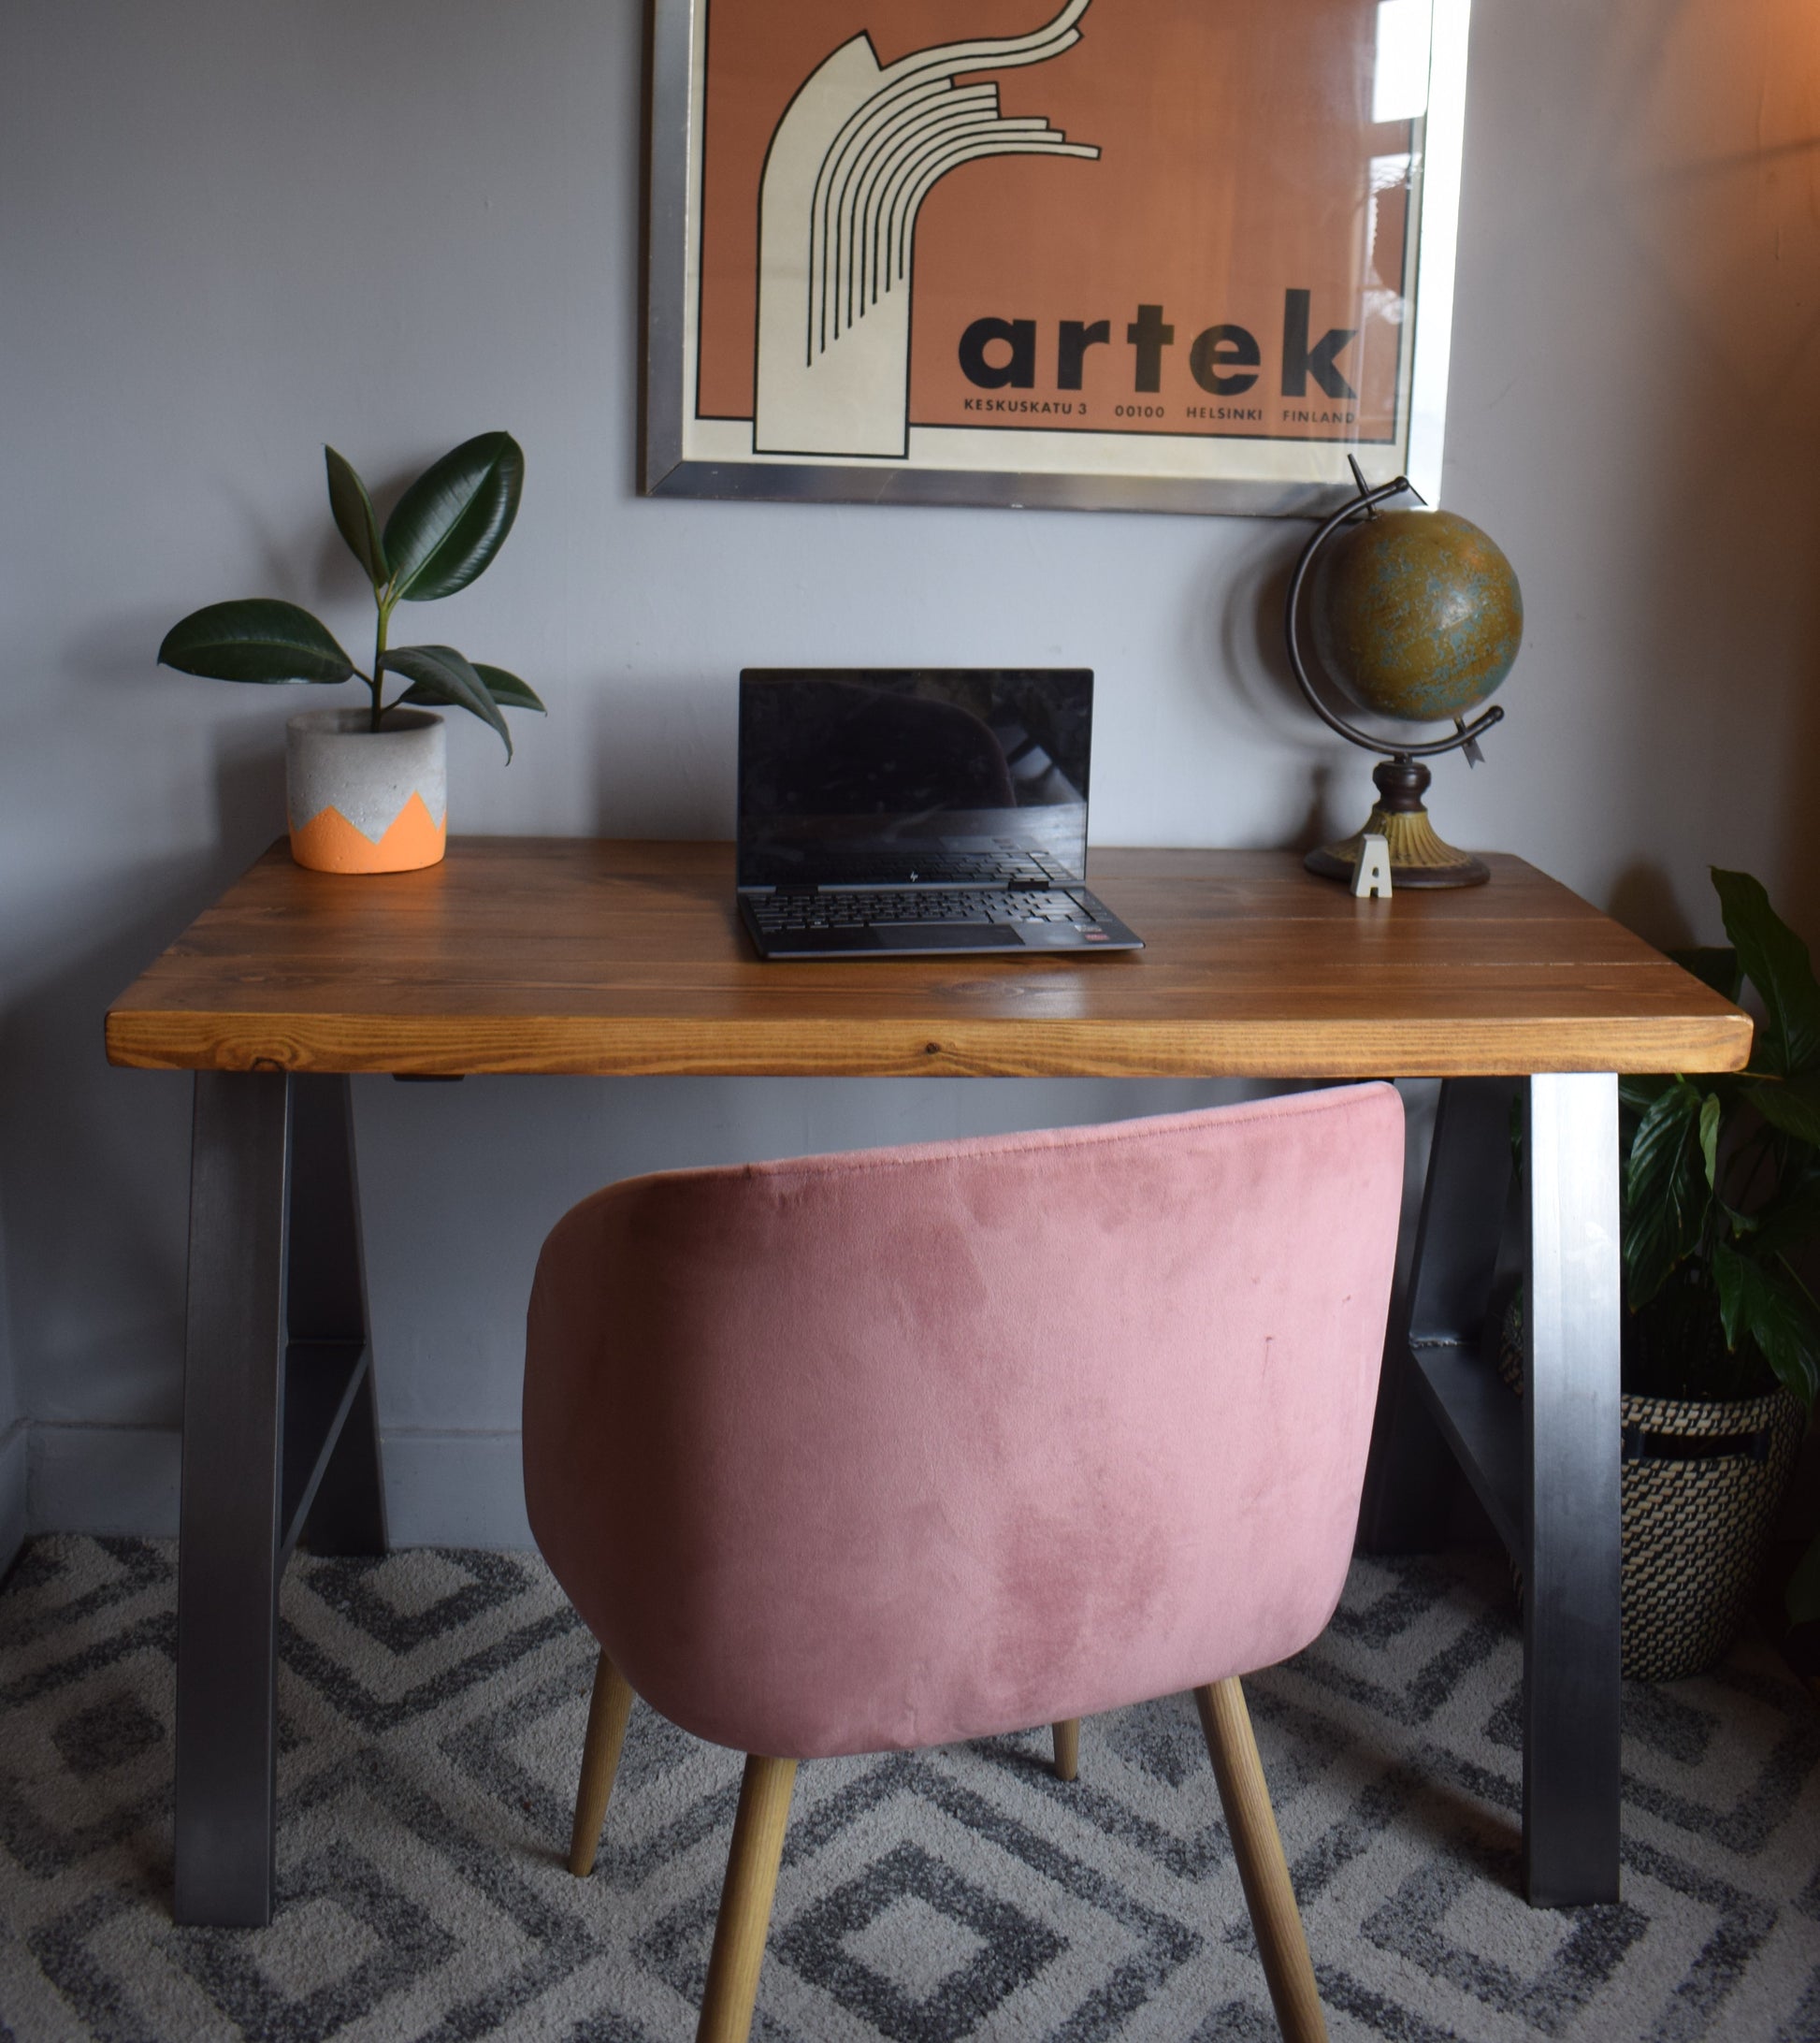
[(777, 914)]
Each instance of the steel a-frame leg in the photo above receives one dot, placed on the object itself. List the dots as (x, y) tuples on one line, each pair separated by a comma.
[(1545, 1468), (279, 1433)]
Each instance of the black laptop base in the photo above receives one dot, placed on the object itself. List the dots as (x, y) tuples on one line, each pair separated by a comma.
[(836, 925)]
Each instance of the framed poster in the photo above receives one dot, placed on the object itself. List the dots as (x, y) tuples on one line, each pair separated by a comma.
[(1156, 255)]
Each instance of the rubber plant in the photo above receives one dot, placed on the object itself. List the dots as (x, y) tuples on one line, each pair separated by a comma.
[(1721, 1191), (442, 534)]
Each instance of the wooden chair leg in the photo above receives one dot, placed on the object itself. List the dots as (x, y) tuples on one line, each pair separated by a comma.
[(1227, 1727), (745, 1901), (1067, 1748), (607, 1711)]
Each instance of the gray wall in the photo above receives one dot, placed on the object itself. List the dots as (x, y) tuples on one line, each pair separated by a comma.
[(14, 1444), (233, 231)]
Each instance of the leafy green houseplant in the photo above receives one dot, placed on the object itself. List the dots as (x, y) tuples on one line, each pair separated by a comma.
[(1722, 1195), (442, 534)]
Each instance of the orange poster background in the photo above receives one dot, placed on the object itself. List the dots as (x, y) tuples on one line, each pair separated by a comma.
[(1235, 144)]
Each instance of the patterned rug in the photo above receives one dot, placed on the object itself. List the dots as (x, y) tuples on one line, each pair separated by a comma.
[(432, 1709)]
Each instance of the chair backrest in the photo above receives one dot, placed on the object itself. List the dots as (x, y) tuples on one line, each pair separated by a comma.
[(888, 1449)]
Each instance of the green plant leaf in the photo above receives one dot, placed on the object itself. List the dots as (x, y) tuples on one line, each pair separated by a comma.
[(438, 673), (1786, 1326), (1801, 1599), (1712, 965), (1775, 1312), (1792, 1104), (1789, 1222), (455, 517), (507, 690), (1666, 1192), (1776, 963), (1637, 1095), (258, 639), (1728, 1269), (1710, 1139), (352, 509)]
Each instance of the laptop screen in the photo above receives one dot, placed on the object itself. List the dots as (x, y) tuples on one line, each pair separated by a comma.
[(883, 777)]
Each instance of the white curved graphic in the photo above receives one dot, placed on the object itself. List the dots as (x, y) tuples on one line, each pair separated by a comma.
[(857, 151)]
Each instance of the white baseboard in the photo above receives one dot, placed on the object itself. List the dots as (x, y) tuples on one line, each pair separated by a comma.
[(112, 1479), (12, 1495), (454, 1490), (441, 1489)]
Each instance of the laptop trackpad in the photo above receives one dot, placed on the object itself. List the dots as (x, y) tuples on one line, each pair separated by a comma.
[(944, 936)]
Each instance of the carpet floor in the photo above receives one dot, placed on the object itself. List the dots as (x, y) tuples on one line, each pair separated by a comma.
[(432, 1706)]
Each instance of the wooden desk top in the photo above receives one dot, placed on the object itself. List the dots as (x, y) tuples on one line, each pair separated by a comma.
[(568, 955)]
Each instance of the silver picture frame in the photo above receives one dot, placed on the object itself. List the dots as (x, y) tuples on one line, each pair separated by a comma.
[(683, 454)]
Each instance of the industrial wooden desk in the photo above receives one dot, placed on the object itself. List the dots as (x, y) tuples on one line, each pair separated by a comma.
[(562, 955)]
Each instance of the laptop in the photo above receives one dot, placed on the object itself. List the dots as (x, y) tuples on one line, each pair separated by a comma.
[(917, 812)]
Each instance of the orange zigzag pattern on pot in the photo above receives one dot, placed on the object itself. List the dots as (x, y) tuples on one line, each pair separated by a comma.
[(329, 843)]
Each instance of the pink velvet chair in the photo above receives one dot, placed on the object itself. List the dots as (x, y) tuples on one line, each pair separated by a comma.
[(886, 1450)]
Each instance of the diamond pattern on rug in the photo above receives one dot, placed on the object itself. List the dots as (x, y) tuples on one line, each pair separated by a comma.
[(885, 1945), (913, 1943), (432, 1708)]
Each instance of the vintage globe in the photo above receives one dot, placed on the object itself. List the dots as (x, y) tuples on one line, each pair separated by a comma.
[(1415, 614)]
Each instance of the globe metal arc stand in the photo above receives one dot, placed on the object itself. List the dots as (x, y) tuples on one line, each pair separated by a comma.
[(1419, 857)]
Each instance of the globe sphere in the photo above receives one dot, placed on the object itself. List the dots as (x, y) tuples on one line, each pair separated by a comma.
[(1415, 614)]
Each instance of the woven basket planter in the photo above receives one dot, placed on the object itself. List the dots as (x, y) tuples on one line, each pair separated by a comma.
[(1701, 1482)]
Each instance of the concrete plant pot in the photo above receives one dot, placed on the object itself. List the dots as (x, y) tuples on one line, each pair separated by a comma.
[(365, 801)]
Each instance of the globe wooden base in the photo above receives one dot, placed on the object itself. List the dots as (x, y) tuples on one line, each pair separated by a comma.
[(1418, 856)]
